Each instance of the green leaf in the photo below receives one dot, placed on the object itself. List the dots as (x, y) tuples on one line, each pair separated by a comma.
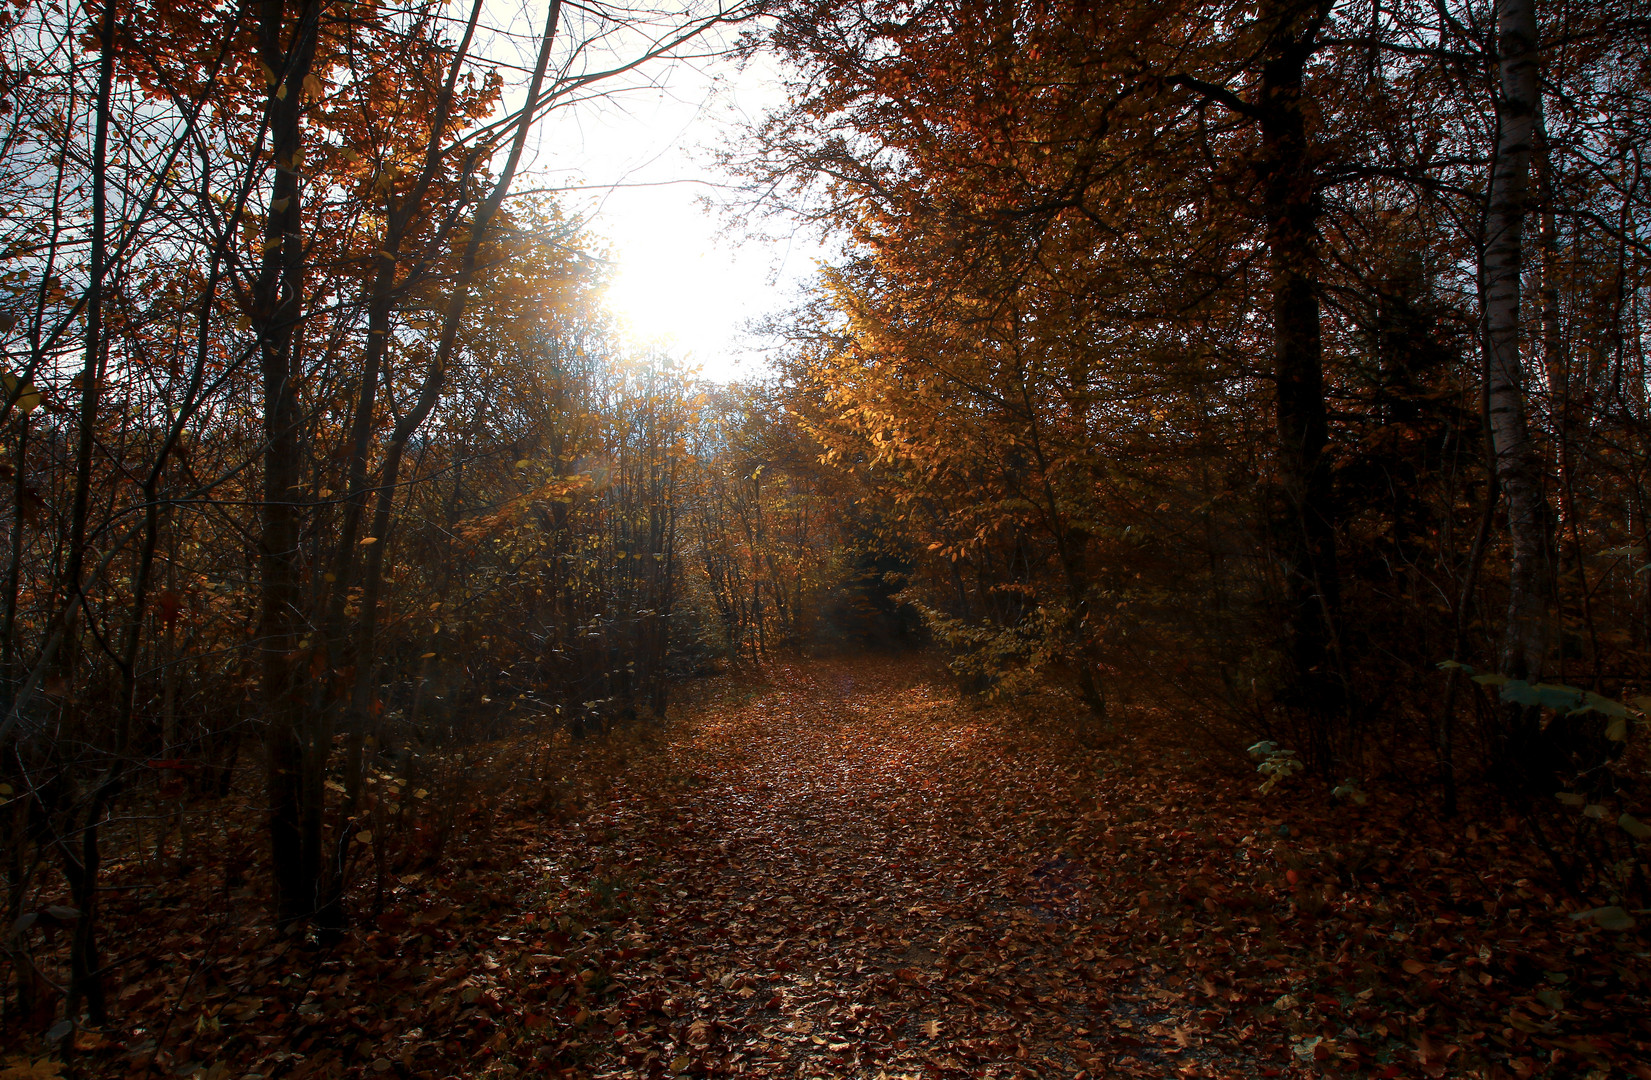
[(1603, 705), (1570, 798), (1491, 680), (1542, 695), (1606, 918), (1452, 665), (1557, 697)]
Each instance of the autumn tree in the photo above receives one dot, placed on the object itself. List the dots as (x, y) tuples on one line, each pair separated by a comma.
[(240, 247), (1071, 234)]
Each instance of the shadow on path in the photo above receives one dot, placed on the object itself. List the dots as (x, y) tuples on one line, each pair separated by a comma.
[(854, 874)]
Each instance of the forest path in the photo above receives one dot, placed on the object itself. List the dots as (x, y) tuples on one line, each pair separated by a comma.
[(845, 869), (853, 874)]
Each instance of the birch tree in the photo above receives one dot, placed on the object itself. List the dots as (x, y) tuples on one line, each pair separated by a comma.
[(1517, 462)]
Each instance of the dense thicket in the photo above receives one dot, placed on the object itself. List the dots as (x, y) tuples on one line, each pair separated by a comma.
[(1262, 358)]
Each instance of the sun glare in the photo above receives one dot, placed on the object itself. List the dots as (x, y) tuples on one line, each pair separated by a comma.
[(676, 289), (680, 283)]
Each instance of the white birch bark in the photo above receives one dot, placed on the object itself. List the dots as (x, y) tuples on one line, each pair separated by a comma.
[(1518, 466)]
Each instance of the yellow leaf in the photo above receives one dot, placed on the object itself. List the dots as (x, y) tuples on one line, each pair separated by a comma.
[(312, 88), (365, 836), (281, 92), (280, 204), (269, 76), (365, 540), (27, 397), (272, 246)]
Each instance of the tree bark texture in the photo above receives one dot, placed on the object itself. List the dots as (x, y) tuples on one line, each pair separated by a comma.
[(1518, 466)]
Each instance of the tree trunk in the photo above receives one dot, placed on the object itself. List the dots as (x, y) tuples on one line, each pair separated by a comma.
[(82, 870), (1518, 466), (1291, 208), (295, 751), (364, 650)]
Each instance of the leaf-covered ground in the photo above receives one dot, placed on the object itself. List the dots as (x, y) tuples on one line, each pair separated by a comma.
[(848, 870)]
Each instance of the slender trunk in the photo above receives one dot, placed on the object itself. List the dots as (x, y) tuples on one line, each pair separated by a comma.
[(381, 306), (1291, 209), (1445, 736), (364, 651), (82, 869), (85, 970), (1518, 465), (9, 676), (294, 784), (91, 372), (1071, 548), (666, 557)]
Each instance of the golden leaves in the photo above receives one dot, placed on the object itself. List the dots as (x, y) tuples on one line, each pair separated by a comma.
[(23, 395)]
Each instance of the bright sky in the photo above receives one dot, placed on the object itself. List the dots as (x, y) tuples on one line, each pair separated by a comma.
[(684, 277)]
